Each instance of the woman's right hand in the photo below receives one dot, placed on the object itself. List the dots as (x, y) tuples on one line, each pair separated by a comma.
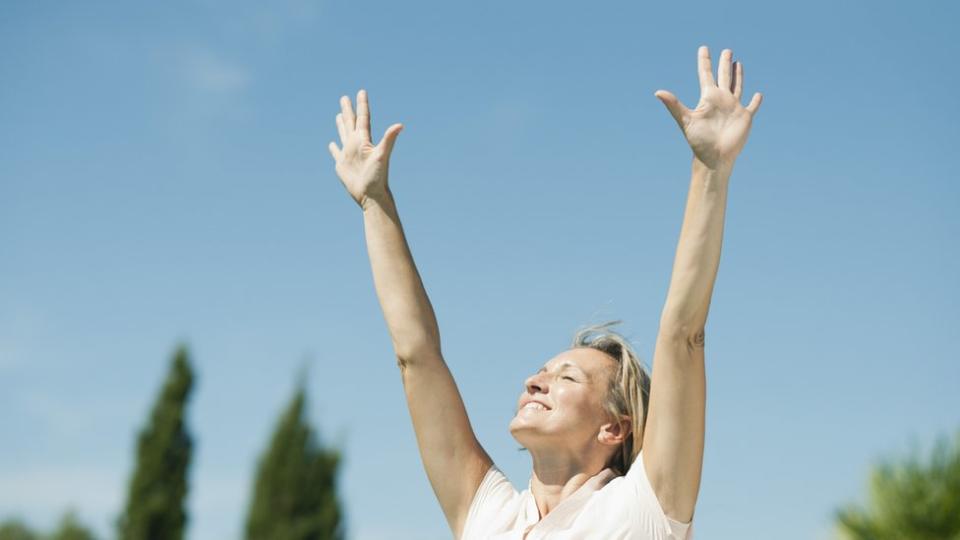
[(361, 166)]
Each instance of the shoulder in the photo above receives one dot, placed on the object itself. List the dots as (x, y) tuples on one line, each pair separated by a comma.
[(635, 486), (495, 504)]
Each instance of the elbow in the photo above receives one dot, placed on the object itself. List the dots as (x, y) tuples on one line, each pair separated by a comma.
[(412, 345), (417, 352), (691, 334)]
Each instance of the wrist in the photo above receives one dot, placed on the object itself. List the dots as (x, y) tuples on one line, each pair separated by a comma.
[(720, 169), (380, 199)]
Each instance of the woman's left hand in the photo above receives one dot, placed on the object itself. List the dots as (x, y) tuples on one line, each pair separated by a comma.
[(717, 129)]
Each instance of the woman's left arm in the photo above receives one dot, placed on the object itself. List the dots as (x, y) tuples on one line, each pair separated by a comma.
[(674, 433)]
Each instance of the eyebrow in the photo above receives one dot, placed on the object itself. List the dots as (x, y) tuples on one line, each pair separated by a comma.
[(567, 364)]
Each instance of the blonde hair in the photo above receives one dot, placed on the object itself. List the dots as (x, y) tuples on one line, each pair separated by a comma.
[(629, 388)]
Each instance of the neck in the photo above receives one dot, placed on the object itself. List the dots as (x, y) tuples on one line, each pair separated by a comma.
[(558, 473)]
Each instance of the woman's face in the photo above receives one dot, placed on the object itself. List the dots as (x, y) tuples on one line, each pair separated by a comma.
[(563, 403)]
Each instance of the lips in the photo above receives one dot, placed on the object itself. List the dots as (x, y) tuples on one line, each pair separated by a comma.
[(534, 404)]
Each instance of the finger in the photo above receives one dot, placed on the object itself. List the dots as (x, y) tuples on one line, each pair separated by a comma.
[(677, 110), (390, 138), (349, 120), (755, 103), (341, 129), (363, 115), (334, 151), (705, 68), (738, 80), (724, 75)]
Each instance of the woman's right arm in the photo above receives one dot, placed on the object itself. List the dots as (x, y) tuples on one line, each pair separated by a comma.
[(453, 458)]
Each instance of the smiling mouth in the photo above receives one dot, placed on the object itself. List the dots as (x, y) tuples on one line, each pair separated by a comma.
[(533, 405)]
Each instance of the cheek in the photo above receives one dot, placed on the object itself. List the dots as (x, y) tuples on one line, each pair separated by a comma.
[(582, 404)]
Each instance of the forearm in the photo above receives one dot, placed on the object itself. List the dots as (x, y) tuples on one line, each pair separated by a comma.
[(406, 307), (698, 251)]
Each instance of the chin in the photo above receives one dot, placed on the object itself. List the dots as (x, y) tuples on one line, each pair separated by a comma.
[(524, 433), (524, 441)]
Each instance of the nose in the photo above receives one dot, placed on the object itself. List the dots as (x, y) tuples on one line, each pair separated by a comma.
[(536, 383)]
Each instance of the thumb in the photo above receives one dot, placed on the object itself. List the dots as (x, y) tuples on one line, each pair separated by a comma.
[(755, 103), (677, 110), (389, 138)]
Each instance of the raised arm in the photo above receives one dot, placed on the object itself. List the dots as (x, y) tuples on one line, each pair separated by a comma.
[(454, 460), (674, 435)]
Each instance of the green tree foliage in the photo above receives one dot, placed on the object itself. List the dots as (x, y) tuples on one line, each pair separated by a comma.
[(71, 529), (910, 500), (15, 529), (68, 529), (294, 494), (156, 500)]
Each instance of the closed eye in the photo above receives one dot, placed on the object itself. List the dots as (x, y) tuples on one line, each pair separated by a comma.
[(569, 378)]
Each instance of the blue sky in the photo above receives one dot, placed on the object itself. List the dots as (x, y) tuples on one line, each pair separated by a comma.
[(164, 178)]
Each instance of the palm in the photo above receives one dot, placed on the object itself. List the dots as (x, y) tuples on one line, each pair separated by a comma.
[(718, 128), (361, 165), (360, 168)]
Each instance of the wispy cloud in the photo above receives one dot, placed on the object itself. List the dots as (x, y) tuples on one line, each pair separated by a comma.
[(208, 71), (19, 327), (10, 353), (55, 415), (267, 22), (218, 71)]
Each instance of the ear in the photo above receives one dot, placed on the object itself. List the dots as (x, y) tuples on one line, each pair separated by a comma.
[(615, 433)]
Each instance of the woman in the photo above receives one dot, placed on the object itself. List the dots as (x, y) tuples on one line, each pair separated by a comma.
[(584, 415)]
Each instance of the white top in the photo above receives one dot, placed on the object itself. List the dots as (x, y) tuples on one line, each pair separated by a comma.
[(606, 507)]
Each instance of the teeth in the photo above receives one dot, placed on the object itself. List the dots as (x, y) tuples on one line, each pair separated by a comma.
[(534, 405)]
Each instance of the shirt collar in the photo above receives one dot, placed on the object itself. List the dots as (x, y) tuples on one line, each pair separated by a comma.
[(569, 507)]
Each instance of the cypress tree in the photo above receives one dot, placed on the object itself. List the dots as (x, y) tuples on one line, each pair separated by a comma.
[(294, 494), (155, 508)]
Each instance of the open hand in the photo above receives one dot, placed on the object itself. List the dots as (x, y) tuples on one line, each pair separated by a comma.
[(361, 166), (717, 129)]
